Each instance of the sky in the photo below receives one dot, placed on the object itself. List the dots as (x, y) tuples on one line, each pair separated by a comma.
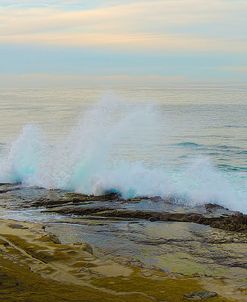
[(122, 42)]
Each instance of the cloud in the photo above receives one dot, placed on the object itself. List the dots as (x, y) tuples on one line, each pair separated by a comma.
[(168, 25), (133, 42)]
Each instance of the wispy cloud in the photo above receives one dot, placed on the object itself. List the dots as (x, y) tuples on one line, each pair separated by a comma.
[(133, 42), (124, 41), (173, 25)]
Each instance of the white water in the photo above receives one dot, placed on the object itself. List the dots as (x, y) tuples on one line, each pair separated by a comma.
[(87, 160)]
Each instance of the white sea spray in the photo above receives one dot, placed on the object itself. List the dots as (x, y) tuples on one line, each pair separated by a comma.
[(87, 160)]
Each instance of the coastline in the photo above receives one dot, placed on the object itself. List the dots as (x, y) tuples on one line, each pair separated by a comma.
[(73, 247), (34, 265)]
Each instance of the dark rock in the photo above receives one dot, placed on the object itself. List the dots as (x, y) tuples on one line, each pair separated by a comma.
[(77, 197), (235, 222), (45, 202), (112, 205), (82, 211), (200, 295), (73, 198), (2, 191), (210, 207), (153, 219)]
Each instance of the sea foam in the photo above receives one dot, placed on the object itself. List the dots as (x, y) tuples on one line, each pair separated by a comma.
[(87, 160)]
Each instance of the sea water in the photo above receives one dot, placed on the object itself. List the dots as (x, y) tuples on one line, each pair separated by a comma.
[(185, 142)]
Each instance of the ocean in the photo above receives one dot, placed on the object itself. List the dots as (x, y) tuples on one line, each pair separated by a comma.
[(186, 142)]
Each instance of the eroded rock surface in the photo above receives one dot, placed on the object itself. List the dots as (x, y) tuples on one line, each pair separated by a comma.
[(206, 241), (32, 269)]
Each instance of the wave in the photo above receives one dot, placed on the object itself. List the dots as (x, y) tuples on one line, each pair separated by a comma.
[(87, 160), (242, 152), (188, 145), (235, 126), (227, 167)]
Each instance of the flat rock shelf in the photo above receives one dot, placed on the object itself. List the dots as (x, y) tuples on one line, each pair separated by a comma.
[(207, 243)]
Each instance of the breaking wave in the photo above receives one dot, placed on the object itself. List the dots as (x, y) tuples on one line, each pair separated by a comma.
[(88, 160)]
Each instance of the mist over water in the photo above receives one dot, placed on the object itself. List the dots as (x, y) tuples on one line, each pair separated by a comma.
[(126, 147)]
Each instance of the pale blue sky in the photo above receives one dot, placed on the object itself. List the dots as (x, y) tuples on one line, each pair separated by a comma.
[(144, 41)]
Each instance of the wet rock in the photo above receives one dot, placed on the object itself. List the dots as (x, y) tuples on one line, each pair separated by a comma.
[(200, 295), (9, 189), (210, 207), (76, 197), (237, 222), (73, 198), (80, 210), (45, 202), (153, 219), (111, 205), (234, 222)]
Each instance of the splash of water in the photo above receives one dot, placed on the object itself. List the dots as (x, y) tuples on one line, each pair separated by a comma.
[(87, 160)]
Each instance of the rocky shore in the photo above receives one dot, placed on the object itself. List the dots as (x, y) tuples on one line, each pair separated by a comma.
[(76, 247), (34, 266)]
